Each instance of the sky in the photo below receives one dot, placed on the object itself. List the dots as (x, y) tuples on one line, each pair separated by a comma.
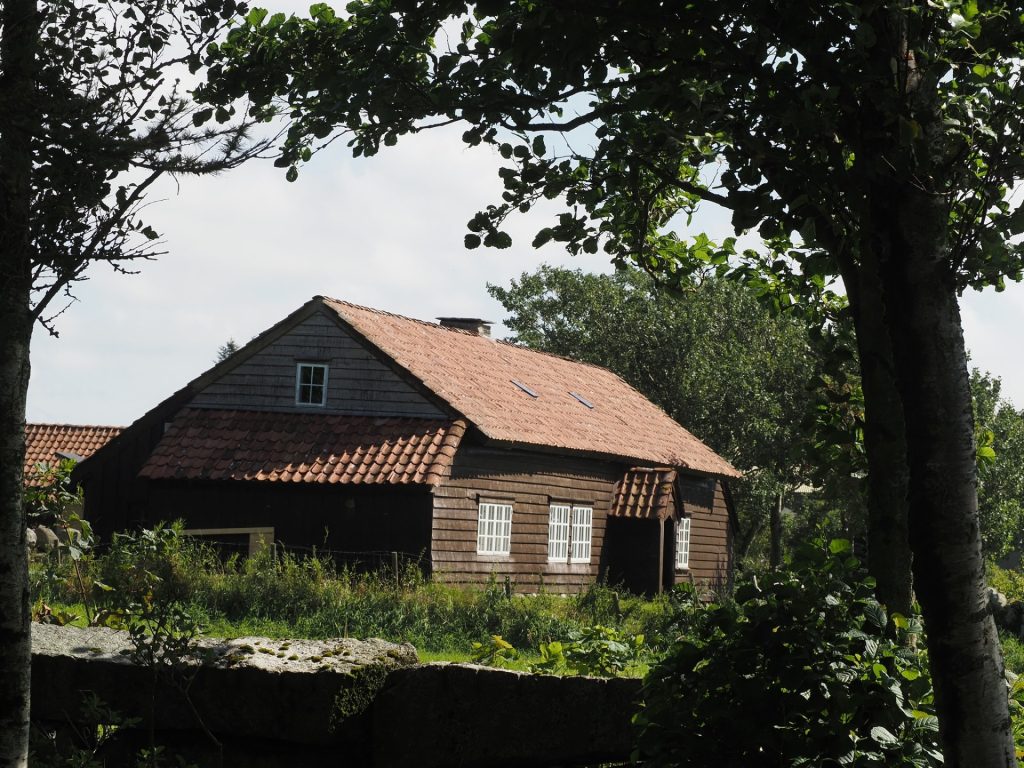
[(246, 248)]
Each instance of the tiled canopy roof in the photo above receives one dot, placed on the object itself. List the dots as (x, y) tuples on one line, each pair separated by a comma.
[(49, 443), (645, 493), (478, 377), (204, 444)]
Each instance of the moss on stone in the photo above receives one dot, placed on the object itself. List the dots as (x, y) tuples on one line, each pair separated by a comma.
[(358, 691)]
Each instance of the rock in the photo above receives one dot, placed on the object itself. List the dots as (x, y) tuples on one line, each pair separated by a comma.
[(298, 691), (996, 600), (1010, 617), (46, 539), (461, 714), (30, 538)]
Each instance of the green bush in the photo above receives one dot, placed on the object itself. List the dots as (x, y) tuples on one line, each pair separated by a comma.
[(1009, 582), (159, 561), (1013, 653), (804, 669)]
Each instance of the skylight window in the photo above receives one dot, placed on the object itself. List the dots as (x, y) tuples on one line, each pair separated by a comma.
[(525, 388), (582, 399)]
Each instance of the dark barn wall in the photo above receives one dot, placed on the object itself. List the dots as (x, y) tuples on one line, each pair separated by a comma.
[(530, 481), (349, 521), (114, 497)]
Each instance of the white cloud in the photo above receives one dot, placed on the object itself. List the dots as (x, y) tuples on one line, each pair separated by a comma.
[(992, 327), (246, 248)]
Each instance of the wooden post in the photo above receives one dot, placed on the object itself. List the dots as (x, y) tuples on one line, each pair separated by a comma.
[(394, 565), (661, 555)]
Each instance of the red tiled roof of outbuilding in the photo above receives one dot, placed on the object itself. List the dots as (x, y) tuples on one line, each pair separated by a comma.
[(45, 443), (517, 395), (208, 444)]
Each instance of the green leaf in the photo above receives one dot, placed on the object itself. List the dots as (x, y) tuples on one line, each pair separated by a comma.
[(876, 614), (925, 721), (840, 546), (883, 736), (256, 16)]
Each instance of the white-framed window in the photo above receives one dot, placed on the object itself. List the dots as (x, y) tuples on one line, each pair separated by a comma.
[(570, 528), (494, 529), (683, 543), (558, 532), (310, 384)]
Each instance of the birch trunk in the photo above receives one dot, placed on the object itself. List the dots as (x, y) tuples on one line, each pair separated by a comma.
[(18, 43), (949, 574)]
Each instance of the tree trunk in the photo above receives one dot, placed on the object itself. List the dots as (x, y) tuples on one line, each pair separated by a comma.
[(889, 557), (15, 638), (775, 550), (949, 574), (20, 22)]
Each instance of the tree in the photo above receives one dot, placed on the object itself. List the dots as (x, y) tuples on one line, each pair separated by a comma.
[(708, 353), (90, 118), (871, 142), (1000, 436), (226, 350)]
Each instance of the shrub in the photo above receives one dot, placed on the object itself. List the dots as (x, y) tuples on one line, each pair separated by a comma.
[(1013, 653), (1009, 582), (161, 561), (804, 669)]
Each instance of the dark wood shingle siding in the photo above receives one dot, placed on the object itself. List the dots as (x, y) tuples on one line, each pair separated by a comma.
[(357, 382), (530, 482), (710, 534)]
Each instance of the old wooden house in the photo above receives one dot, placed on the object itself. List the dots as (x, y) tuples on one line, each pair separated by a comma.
[(360, 431)]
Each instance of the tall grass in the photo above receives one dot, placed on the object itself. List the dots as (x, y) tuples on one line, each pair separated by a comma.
[(282, 594)]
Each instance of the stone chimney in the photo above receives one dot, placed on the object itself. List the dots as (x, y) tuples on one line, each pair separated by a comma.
[(472, 324)]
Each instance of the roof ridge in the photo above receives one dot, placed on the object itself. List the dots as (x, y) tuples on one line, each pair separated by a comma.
[(505, 342), (385, 313), (77, 426)]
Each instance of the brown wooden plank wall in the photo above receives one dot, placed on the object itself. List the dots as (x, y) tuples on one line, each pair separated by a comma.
[(710, 542), (530, 482), (357, 382)]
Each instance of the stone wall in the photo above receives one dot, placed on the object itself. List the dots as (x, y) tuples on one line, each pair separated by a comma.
[(259, 702)]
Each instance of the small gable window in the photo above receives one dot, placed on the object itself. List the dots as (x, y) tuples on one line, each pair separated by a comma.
[(683, 543), (311, 384)]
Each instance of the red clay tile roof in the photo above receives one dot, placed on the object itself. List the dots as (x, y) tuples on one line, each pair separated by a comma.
[(45, 442), (205, 444), (645, 493), (477, 376)]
